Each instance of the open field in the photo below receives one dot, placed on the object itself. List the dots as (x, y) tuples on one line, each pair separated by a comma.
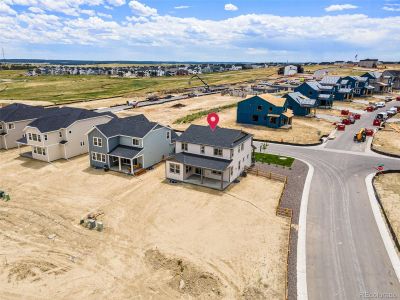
[(388, 188), (388, 139), (161, 241), (58, 89)]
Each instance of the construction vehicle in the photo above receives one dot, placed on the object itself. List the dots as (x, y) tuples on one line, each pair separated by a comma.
[(361, 136), (91, 221), (198, 77)]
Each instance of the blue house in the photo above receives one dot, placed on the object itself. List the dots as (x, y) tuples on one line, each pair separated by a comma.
[(381, 83), (315, 90), (360, 85), (341, 88), (265, 110), (300, 104)]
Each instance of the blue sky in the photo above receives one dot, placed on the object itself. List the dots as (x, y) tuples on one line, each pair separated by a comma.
[(201, 30)]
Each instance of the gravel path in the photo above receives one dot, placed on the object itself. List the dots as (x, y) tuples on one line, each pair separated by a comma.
[(291, 199)]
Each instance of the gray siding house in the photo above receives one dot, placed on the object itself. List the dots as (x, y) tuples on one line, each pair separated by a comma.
[(14, 118), (130, 144)]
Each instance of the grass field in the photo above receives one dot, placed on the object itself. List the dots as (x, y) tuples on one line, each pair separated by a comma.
[(274, 159), (59, 89)]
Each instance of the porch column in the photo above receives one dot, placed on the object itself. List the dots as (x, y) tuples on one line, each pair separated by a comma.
[(222, 180), (119, 164), (132, 166)]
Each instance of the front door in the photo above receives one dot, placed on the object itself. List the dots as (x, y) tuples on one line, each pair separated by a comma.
[(197, 171)]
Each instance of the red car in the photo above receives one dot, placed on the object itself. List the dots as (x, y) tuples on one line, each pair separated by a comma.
[(398, 98)]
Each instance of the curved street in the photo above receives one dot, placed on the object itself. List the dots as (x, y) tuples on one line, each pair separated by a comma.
[(345, 254)]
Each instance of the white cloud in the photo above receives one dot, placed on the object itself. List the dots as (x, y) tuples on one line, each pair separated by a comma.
[(340, 7), (231, 7), (4, 8), (182, 7), (116, 2), (36, 10), (391, 7), (142, 9), (108, 16)]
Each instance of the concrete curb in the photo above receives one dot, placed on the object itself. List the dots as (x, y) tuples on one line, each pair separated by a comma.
[(383, 230), (302, 293)]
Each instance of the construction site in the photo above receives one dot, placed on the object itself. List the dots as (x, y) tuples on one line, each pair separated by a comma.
[(155, 240)]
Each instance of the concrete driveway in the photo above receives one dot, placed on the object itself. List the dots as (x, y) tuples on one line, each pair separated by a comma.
[(345, 254)]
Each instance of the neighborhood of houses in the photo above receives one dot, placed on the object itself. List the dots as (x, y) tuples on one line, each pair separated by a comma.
[(141, 71)]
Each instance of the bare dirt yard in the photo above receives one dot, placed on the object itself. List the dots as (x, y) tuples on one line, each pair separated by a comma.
[(96, 104), (304, 131), (161, 241), (388, 188), (388, 139)]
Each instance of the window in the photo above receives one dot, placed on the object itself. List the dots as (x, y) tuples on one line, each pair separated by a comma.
[(45, 137), (259, 108), (168, 135), (188, 169), (98, 157), (60, 134), (36, 137), (254, 118), (184, 147), (1, 126), (231, 171), (98, 142), (232, 153), (30, 136), (242, 146), (70, 131), (82, 144), (217, 152), (175, 168), (11, 126), (135, 142), (202, 149), (216, 172), (38, 150), (272, 120), (239, 165), (239, 149)]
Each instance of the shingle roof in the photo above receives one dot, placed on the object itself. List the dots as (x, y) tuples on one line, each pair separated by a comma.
[(19, 112), (302, 100), (64, 117), (220, 137), (201, 161), (330, 80), (135, 126), (125, 152), (272, 99)]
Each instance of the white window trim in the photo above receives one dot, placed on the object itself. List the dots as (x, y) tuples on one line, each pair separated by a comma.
[(175, 168), (102, 159), (135, 140), (97, 142), (218, 150), (11, 126)]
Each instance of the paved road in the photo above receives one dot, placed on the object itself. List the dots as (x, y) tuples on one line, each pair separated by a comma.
[(345, 252)]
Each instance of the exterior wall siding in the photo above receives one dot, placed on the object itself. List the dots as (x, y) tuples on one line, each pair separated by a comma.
[(13, 135), (92, 148), (156, 146)]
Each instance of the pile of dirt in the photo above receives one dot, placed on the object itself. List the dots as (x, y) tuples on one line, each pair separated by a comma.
[(32, 269), (178, 105), (186, 278)]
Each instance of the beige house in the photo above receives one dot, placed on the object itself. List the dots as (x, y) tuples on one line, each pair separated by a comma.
[(209, 158), (61, 135)]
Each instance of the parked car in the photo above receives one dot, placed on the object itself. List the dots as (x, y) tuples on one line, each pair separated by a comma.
[(398, 98), (381, 116), (391, 113), (380, 104), (388, 98)]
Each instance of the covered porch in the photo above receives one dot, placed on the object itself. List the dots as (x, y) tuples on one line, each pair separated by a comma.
[(125, 159)]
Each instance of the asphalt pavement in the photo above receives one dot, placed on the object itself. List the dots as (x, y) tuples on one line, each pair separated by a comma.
[(345, 254)]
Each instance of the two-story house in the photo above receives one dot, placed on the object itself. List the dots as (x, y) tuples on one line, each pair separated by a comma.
[(300, 104), (130, 144), (265, 110), (62, 134), (340, 87), (394, 77), (210, 158), (314, 90), (360, 85), (14, 118)]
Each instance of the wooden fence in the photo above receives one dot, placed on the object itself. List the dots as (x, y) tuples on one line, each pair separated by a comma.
[(281, 212)]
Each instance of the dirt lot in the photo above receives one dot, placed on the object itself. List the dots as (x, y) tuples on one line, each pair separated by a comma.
[(161, 241), (304, 130), (7, 102), (388, 187), (388, 139)]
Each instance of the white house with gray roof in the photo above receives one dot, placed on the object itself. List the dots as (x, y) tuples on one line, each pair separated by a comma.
[(210, 158), (62, 134), (14, 118), (129, 144)]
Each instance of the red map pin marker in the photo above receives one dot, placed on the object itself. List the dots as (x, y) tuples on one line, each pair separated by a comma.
[(213, 120)]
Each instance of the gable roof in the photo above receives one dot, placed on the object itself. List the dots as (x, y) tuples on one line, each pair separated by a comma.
[(302, 100), (280, 102), (394, 73), (201, 161), (371, 74), (19, 112), (358, 78), (220, 137), (64, 117), (330, 80), (135, 126)]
